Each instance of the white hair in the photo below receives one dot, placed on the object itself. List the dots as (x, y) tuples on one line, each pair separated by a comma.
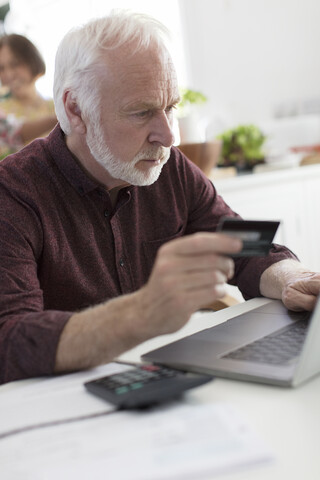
[(78, 59)]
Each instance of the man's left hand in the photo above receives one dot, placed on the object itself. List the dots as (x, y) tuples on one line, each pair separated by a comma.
[(293, 283), (301, 293)]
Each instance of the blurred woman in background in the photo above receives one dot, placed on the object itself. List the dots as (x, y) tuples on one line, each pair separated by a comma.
[(15, 133), (21, 65)]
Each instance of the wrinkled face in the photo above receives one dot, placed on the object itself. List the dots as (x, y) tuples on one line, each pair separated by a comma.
[(133, 134), (14, 74)]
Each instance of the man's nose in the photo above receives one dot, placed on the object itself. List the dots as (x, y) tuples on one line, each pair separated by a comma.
[(161, 130)]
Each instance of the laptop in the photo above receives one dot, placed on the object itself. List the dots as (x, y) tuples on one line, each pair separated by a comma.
[(267, 344)]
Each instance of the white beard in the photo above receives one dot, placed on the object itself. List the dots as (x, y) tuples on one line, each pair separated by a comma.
[(126, 171)]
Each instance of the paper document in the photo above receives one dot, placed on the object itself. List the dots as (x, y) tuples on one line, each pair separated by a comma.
[(178, 440), (52, 399)]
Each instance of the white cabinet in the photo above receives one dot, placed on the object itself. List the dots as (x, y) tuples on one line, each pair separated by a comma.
[(292, 196), (311, 221)]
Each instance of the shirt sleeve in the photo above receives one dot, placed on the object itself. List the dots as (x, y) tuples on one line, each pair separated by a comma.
[(248, 270), (206, 208), (29, 335)]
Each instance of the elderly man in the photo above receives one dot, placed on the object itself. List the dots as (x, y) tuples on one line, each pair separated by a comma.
[(107, 231)]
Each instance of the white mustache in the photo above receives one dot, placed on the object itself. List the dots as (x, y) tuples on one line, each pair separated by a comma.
[(161, 153)]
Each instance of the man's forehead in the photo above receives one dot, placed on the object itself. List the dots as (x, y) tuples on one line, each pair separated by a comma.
[(151, 61), (143, 75)]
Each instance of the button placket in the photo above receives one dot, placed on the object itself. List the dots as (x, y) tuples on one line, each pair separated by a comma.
[(122, 262)]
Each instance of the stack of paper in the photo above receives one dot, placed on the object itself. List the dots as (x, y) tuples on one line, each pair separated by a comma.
[(56, 429)]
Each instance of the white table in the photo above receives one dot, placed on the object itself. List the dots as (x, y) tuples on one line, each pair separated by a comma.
[(287, 420)]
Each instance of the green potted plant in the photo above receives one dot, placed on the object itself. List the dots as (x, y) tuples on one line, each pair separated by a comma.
[(242, 147), (190, 125), (189, 98)]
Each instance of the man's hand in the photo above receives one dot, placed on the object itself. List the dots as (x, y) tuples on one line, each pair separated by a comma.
[(301, 293), (290, 281), (189, 272)]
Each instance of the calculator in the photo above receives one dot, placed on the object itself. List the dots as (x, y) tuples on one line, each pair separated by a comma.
[(145, 385)]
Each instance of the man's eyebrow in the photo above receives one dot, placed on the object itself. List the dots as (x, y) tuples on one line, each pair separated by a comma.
[(149, 105), (139, 105)]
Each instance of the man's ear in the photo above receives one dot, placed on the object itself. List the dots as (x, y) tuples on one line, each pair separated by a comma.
[(73, 113)]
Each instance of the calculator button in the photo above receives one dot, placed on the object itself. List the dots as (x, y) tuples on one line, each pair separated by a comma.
[(170, 373), (136, 376), (121, 390), (136, 385), (150, 368)]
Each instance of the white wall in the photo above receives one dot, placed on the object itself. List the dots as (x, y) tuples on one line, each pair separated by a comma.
[(247, 56), (250, 56), (45, 22)]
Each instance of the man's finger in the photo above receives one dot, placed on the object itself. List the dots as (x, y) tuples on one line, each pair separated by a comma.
[(203, 263), (205, 242)]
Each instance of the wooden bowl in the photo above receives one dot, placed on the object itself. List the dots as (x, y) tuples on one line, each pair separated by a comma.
[(205, 155)]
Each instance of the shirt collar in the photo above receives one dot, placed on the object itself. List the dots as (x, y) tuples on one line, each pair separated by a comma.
[(67, 163)]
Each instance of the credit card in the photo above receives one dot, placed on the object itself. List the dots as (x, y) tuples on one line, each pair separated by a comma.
[(257, 235)]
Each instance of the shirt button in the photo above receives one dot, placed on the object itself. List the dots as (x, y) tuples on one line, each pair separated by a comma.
[(106, 213), (121, 262)]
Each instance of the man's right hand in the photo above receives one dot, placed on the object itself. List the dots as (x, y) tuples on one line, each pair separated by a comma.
[(189, 272)]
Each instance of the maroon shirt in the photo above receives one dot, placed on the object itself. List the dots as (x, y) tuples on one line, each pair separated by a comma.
[(63, 248)]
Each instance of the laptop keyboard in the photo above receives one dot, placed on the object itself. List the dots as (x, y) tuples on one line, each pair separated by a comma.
[(277, 348)]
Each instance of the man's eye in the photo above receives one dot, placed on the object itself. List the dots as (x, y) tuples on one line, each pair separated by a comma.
[(170, 108), (142, 114)]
